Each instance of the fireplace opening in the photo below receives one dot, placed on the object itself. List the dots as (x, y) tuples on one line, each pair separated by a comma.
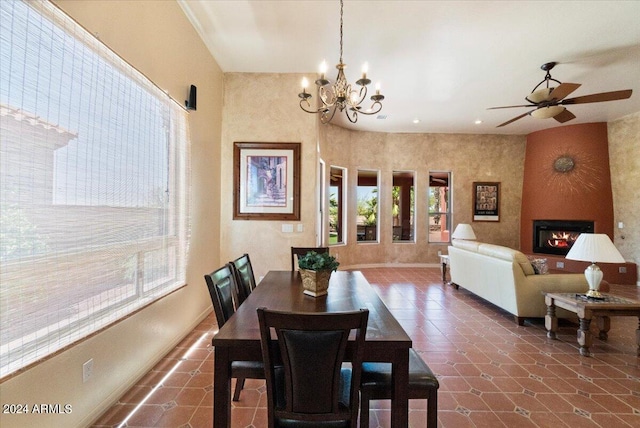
[(557, 236)]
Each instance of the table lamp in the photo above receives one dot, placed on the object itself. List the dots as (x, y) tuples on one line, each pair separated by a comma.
[(464, 231), (594, 247)]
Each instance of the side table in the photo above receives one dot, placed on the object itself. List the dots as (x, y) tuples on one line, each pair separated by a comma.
[(587, 309)]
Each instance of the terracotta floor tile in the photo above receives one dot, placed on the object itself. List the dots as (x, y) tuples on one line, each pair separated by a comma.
[(492, 372)]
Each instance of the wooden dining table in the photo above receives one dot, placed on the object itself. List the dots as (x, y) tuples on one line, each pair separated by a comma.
[(239, 338)]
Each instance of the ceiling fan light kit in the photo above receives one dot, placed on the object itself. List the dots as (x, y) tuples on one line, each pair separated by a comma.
[(548, 102), (547, 112), (340, 95)]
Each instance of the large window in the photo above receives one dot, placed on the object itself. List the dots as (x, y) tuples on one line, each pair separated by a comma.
[(402, 212), (439, 206), (337, 198), (367, 219), (93, 191)]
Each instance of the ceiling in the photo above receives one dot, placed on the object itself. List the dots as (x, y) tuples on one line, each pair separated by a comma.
[(441, 62)]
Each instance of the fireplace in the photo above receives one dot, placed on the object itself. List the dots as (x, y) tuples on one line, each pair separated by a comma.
[(557, 236)]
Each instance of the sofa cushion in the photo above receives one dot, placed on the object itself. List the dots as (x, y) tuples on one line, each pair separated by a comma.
[(466, 245), (509, 254)]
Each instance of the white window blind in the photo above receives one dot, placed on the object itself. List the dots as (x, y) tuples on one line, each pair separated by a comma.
[(93, 185)]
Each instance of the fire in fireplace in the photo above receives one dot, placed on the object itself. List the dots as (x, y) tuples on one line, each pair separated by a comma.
[(557, 236)]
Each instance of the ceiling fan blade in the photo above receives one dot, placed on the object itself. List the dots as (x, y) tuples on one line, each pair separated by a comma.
[(495, 108), (564, 116), (563, 90), (513, 120), (596, 98)]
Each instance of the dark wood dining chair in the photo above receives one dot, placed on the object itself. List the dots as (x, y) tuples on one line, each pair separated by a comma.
[(376, 385), (245, 279), (301, 251), (222, 289), (307, 382)]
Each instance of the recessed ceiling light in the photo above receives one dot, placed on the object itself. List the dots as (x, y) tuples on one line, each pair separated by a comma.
[(416, 120), (478, 122)]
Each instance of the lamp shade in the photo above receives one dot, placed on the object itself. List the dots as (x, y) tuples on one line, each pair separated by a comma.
[(594, 248), (464, 231)]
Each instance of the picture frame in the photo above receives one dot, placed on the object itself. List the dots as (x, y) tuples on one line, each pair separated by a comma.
[(486, 201), (266, 181)]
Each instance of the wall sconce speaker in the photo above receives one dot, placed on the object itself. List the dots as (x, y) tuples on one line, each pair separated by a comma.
[(191, 102)]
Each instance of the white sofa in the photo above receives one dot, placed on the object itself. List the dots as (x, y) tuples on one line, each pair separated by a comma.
[(505, 277)]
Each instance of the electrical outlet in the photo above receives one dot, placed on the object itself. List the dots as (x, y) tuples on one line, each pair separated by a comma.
[(560, 265), (622, 269), (87, 370)]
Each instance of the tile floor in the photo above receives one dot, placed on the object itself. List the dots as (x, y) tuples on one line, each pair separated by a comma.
[(492, 372)]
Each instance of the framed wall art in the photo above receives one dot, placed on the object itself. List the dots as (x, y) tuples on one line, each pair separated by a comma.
[(266, 181), (486, 201)]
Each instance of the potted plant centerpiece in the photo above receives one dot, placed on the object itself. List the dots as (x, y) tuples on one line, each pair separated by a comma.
[(315, 270)]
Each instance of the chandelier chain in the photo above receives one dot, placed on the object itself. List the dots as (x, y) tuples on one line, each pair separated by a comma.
[(341, 8)]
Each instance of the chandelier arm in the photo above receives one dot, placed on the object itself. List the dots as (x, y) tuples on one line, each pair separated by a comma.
[(318, 110), (374, 109), (358, 96), (352, 112), (325, 117)]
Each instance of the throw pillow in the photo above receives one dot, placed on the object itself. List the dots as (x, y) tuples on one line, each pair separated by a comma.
[(539, 265)]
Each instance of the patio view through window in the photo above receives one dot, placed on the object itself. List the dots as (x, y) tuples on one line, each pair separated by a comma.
[(439, 206), (93, 191), (402, 208), (367, 219), (337, 195)]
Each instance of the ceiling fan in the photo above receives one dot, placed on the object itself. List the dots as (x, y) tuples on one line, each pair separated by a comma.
[(548, 101)]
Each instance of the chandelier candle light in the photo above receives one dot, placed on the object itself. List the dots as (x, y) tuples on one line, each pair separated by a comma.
[(340, 95)]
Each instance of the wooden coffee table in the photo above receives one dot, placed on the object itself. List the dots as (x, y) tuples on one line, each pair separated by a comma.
[(587, 309)]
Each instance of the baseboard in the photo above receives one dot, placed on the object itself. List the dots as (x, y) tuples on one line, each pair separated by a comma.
[(390, 265), (113, 398)]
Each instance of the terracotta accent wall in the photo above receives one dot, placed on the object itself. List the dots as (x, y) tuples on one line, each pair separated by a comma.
[(583, 193)]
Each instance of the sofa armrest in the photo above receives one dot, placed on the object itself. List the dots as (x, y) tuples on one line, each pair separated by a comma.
[(558, 282), (530, 289)]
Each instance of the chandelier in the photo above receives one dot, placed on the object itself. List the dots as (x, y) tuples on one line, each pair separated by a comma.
[(340, 95)]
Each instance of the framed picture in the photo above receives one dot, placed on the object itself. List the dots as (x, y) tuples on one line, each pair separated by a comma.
[(486, 201), (266, 181)]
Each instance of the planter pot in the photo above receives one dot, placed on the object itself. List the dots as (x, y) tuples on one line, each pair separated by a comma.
[(315, 283)]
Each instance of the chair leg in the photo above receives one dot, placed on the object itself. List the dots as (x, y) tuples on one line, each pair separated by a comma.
[(432, 410), (239, 386), (364, 410)]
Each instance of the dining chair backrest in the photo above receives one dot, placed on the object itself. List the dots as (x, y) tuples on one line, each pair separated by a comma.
[(301, 251), (245, 278), (305, 376), (222, 289)]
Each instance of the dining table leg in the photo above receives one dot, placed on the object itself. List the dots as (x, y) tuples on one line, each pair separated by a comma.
[(400, 396), (221, 388)]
